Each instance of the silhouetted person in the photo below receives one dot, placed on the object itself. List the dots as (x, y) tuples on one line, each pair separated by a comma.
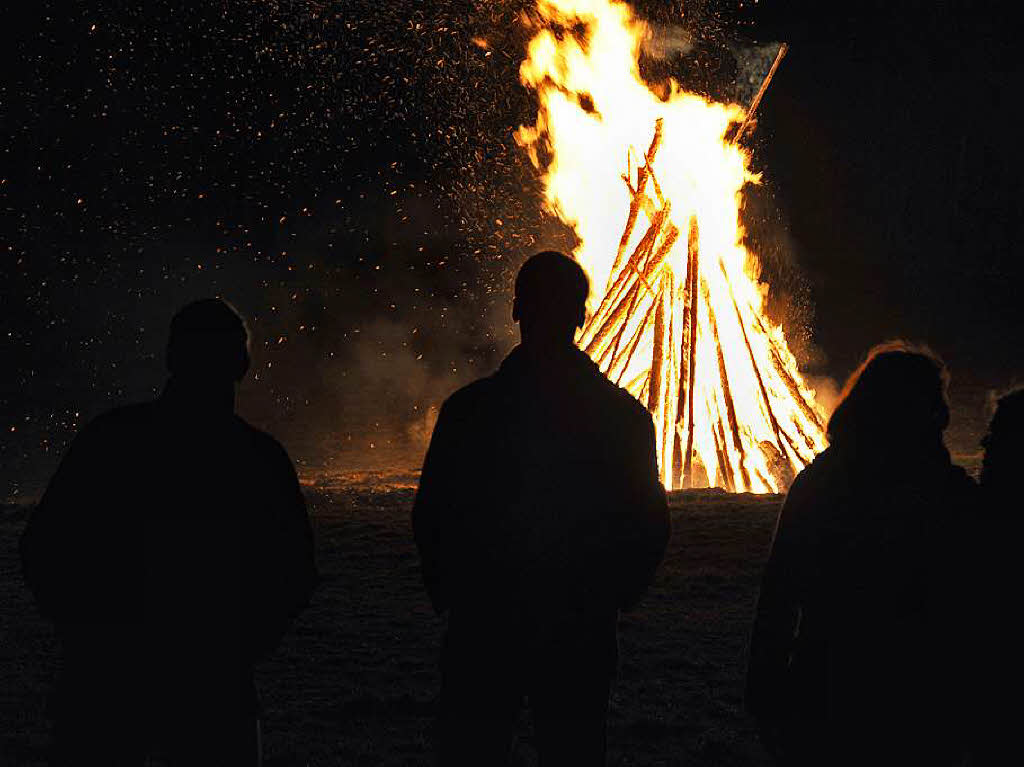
[(1004, 453), (857, 646), (171, 550), (539, 516), (995, 671)]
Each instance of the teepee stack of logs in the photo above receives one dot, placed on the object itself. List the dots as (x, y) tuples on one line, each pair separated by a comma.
[(655, 331)]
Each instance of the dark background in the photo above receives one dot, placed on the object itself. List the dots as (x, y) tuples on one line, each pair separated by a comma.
[(344, 172)]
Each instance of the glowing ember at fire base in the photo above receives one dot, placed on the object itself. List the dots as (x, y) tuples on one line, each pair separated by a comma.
[(681, 322)]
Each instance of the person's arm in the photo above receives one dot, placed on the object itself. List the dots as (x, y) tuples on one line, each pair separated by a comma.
[(286, 566), (778, 608), (648, 527), (296, 536), (435, 493), (49, 546)]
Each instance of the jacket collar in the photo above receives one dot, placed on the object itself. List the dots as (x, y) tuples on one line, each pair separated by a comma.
[(545, 361), (199, 399)]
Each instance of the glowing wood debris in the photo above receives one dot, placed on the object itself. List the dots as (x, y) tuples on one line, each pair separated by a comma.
[(680, 322)]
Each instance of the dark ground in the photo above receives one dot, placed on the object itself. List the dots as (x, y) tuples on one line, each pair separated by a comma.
[(356, 681)]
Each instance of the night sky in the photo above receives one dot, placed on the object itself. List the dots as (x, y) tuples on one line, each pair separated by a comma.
[(344, 173), (890, 142)]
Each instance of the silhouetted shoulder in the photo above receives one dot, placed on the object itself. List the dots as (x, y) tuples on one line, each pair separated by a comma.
[(113, 430), (466, 402), (960, 481), (122, 418), (823, 464), (630, 406), (265, 448), (822, 469), (618, 407), (814, 489), (260, 439), (472, 393)]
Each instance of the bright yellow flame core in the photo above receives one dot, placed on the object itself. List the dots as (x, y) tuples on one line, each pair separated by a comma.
[(754, 420)]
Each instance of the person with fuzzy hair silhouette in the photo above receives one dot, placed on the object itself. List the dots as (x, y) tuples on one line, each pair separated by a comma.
[(855, 651)]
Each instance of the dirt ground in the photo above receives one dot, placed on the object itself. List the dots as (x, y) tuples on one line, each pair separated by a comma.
[(356, 682)]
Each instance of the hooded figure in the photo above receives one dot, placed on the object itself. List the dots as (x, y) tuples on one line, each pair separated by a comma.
[(171, 550), (856, 649), (539, 516)]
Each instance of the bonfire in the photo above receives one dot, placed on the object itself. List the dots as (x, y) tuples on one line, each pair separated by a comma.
[(653, 187)]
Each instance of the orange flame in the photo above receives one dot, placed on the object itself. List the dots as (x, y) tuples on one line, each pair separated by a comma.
[(679, 316)]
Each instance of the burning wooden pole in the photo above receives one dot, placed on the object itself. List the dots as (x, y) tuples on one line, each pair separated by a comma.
[(622, 362), (690, 336), (601, 323), (726, 390), (749, 121), (765, 399), (637, 201), (726, 410)]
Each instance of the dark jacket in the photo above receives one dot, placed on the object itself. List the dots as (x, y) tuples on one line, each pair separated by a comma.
[(171, 549), (859, 622), (539, 512), (995, 671)]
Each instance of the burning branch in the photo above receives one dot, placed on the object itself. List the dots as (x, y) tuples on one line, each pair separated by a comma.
[(683, 327), (749, 121)]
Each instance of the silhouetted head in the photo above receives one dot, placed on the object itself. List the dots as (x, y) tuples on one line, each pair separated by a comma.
[(1004, 443), (550, 298), (897, 397), (209, 343)]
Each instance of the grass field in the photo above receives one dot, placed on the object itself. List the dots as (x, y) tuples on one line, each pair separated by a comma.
[(356, 682)]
